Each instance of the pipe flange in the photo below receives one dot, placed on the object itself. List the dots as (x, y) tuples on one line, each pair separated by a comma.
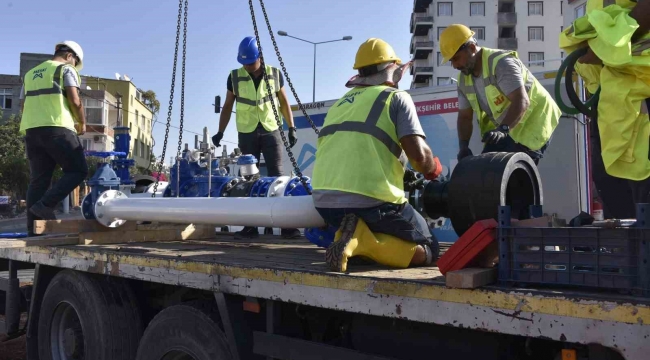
[(100, 216), (278, 186)]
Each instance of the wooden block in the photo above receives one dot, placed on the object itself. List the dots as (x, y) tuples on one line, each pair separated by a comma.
[(470, 278), (75, 226), (544, 221), (190, 232), (47, 240)]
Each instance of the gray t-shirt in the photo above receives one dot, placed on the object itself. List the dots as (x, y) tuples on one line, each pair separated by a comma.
[(404, 114), (510, 77), (69, 79)]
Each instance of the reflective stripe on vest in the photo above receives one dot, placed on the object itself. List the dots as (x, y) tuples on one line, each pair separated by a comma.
[(254, 105), (539, 121), (369, 126), (358, 148), (46, 101)]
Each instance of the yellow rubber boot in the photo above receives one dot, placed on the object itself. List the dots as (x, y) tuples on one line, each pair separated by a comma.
[(354, 238)]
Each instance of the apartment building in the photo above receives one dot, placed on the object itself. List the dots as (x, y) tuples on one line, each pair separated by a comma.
[(573, 10), (529, 27), (134, 114)]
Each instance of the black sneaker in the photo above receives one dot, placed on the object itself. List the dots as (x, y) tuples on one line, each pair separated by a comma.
[(247, 232), (290, 233), (42, 211)]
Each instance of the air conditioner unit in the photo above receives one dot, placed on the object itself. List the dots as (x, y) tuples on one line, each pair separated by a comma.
[(99, 139)]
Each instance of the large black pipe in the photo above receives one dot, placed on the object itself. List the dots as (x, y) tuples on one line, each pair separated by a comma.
[(478, 186)]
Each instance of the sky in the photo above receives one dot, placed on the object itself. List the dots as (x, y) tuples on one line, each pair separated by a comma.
[(137, 38)]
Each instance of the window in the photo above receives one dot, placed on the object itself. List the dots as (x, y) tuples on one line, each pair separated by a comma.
[(440, 60), (580, 11), (444, 81), (137, 117), (477, 9), (136, 147), (94, 111), (535, 8), (5, 98), (440, 30), (87, 144), (561, 7), (536, 59), (445, 9), (562, 55), (479, 32), (142, 125), (535, 33), (142, 153), (131, 99)]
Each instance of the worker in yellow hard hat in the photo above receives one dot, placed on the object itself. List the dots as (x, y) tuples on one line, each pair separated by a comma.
[(618, 61), (515, 113), (359, 169), (52, 116)]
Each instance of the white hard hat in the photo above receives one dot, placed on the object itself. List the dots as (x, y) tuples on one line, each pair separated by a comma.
[(74, 47)]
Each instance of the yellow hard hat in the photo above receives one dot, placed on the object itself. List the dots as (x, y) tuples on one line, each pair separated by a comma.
[(374, 51), (452, 38)]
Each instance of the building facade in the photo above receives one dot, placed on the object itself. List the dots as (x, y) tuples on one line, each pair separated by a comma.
[(529, 27), (102, 114), (134, 114)]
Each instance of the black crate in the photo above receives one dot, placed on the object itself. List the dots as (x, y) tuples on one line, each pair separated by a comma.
[(576, 256)]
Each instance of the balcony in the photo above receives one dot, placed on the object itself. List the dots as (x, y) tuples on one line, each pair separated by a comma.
[(508, 43), (507, 18), (420, 24), (421, 49), (420, 6), (422, 74)]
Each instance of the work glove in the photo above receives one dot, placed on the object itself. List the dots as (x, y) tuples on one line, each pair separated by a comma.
[(463, 153), (216, 139), (436, 171), (292, 137), (495, 136)]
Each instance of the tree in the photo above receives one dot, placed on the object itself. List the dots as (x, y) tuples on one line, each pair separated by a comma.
[(150, 101), (14, 168)]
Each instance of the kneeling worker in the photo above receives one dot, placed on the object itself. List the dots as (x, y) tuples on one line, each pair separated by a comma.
[(515, 112), (358, 177)]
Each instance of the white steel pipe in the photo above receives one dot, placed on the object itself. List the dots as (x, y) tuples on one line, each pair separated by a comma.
[(276, 212)]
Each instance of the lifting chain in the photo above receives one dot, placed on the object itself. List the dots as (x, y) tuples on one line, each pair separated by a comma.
[(171, 93), (275, 110), (284, 69)]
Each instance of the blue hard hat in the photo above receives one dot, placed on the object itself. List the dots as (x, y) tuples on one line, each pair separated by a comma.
[(248, 51)]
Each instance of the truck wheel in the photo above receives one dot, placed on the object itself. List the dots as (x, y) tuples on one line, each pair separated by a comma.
[(86, 317), (183, 332)]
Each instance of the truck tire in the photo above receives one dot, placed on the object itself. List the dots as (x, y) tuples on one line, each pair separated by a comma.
[(480, 184), (183, 332), (86, 317)]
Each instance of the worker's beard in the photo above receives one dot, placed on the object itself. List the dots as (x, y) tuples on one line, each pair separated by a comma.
[(468, 69)]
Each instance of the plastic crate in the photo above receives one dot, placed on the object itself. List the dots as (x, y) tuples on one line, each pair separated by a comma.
[(575, 256)]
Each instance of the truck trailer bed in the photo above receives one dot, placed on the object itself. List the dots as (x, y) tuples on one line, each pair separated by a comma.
[(295, 271)]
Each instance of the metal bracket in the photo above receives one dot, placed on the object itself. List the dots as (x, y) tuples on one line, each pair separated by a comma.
[(227, 325)]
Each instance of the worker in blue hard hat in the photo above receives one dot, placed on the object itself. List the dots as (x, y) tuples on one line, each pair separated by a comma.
[(256, 122)]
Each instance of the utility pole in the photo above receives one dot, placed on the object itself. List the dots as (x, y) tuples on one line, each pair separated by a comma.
[(119, 108)]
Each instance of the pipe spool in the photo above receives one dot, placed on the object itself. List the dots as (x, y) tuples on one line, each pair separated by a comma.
[(477, 187)]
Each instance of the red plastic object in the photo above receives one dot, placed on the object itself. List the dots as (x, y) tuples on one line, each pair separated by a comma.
[(469, 246)]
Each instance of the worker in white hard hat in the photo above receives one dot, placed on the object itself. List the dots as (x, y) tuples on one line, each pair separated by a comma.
[(52, 118)]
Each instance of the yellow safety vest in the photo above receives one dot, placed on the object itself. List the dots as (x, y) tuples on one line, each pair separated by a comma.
[(624, 80), (46, 102), (540, 120), (254, 105), (608, 29), (358, 150)]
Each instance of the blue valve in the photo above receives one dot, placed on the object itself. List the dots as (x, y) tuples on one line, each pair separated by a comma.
[(104, 154)]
